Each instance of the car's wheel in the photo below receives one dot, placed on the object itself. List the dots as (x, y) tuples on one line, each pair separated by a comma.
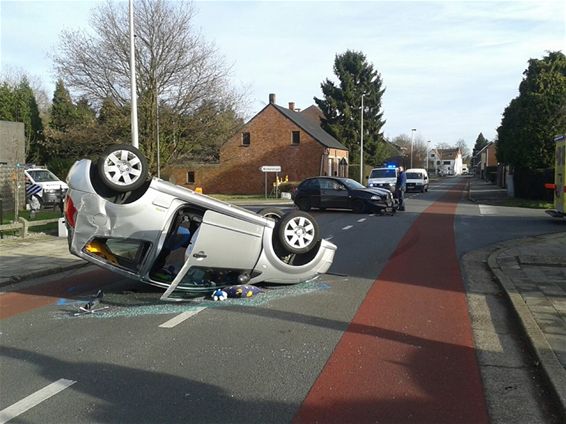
[(303, 204), (122, 168), (358, 206), (274, 213), (298, 232)]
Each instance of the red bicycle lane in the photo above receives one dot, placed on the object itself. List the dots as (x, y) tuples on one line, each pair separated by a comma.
[(47, 293), (408, 354)]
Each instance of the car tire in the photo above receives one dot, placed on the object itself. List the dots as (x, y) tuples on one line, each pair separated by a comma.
[(274, 213), (358, 206), (122, 168), (298, 232), (303, 204)]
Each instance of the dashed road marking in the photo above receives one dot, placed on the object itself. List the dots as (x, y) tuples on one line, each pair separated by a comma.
[(362, 219), (34, 399), (347, 227), (181, 317)]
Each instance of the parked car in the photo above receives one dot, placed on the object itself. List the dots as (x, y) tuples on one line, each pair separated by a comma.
[(417, 179), (342, 193), (172, 237), (44, 185)]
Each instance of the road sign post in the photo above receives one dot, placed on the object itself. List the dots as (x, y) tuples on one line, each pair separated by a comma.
[(269, 168)]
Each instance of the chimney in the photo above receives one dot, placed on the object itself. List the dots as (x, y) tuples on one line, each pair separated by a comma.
[(292, 106), (272, 98)]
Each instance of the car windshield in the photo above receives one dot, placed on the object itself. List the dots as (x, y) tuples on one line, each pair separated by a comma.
[(43, 176), (352, 184), (383, 173), (414, 175)]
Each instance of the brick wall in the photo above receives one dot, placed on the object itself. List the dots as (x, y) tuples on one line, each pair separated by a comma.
[(270, 144)]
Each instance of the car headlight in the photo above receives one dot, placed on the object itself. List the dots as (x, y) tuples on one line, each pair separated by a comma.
[(375, 197)]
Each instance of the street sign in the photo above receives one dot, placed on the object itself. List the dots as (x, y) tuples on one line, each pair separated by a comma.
[(267, 168)]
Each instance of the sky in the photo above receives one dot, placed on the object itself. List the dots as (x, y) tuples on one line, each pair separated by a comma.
[(449, 68)]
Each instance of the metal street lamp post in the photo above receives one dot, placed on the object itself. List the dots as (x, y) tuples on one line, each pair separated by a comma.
[(134, 116), (427, 153), (412, 140), (362, 143)]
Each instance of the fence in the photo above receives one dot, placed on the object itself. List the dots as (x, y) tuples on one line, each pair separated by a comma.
[(23, 225)]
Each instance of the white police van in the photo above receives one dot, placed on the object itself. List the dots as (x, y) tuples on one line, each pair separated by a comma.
[(44, 186), (385, 177)]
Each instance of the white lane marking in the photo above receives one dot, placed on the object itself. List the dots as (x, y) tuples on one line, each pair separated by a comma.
[(181, 317), (329, 238), (34, 399), (487, 210), (347, 227), (362, 219)]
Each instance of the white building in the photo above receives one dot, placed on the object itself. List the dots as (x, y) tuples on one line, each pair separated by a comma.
[(449, 162)]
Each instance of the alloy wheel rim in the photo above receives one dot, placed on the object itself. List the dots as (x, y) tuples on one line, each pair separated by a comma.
[(299, 232), (122, 167)]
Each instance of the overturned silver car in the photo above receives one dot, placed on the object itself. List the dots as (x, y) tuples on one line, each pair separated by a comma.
[(178, 239)]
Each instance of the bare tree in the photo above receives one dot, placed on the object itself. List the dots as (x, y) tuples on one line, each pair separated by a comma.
[(419, 149), (176, 68)]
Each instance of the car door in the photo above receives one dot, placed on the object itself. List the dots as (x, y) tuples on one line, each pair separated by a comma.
[(333, 194), (222, 249), (311, 191)]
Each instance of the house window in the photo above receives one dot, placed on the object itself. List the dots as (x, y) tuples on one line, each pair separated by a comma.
[(246, 139), (296, 137), (190, 177), (446, 162)]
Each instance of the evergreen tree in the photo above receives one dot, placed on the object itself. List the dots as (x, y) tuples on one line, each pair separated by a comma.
[(530, 122), (7, 99), (341, 106), (481, 142), (63, 111), (18, 104)]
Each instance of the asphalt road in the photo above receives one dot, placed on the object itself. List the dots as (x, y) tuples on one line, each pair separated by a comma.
[(257, 360)]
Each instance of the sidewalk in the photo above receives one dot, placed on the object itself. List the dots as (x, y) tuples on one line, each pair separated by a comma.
[(35, 256), (532, 272)]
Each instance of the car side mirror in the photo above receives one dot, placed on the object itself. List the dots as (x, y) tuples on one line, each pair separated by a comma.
[(367, 177)]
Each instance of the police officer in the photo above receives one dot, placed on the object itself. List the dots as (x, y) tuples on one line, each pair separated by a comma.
[(400, 187)]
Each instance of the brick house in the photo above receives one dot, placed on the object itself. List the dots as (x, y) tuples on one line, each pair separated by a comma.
[(276, 136), (485, 158)]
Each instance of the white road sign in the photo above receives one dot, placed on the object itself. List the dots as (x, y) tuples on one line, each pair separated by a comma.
[(267, 168)]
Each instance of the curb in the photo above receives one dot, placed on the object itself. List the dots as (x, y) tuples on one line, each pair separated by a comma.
[(42, 273), (552, 368)]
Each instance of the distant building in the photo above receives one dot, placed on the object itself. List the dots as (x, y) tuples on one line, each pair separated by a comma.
[(485, 159), (449, 161), (275, 136)]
